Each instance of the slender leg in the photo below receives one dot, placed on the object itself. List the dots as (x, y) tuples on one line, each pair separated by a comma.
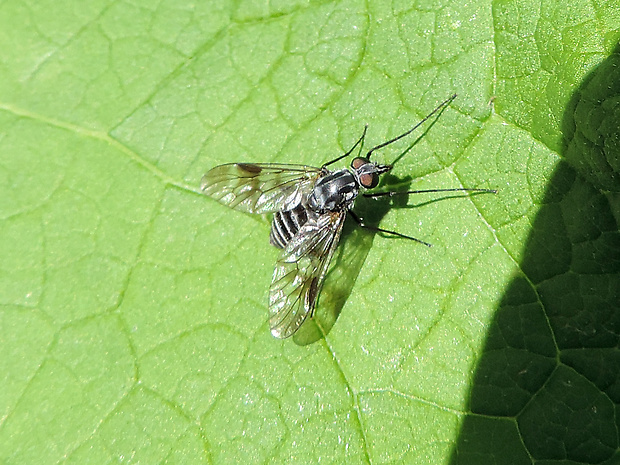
[(359, 141), (426, 191), (360, 222)]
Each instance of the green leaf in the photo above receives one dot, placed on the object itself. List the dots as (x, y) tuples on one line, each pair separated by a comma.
[(133, 309)]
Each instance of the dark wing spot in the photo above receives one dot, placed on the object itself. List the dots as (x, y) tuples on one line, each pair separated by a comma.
[(249, 168), (312, 294)]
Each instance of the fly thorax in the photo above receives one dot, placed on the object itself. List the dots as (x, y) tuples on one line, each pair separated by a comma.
[(333, 192)]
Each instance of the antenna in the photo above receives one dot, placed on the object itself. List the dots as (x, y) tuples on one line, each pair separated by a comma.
[(439, 107)]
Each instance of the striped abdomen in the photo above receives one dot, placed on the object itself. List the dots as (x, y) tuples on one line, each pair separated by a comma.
[(287, 223)]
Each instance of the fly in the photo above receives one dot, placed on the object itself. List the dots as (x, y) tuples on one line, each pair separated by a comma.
[(309, 205)]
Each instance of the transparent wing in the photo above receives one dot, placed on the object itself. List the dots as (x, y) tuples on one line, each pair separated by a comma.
[(300, 273), (259, 187)]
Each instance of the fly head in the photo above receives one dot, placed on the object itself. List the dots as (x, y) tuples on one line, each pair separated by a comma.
[(367, 172)]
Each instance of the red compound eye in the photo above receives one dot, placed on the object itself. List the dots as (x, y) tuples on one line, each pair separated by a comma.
[(359, 162), (369, 180)]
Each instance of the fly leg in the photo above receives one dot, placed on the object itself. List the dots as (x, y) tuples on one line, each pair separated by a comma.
[(361, 223)]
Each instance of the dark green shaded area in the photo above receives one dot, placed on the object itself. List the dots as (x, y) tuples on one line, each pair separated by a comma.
[(569, 419), (551, 361), (490, 441)]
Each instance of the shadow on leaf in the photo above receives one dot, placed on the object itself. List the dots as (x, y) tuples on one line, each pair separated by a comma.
[(547, 386)]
